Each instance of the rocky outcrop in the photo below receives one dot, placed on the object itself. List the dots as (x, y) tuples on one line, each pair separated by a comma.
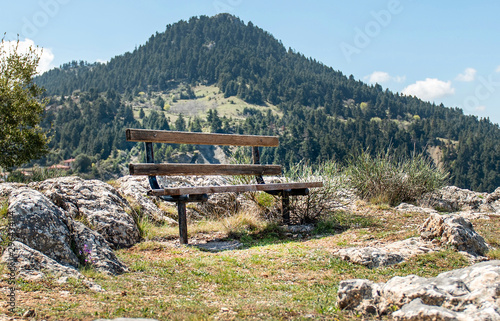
[(454, 199), (494, 200), (386, 254), (410, 208), (471, 293), (105, 210), (7, 188), (49, 239), (32, 265), (135, 189), (456, 231), (91, 246), (370, 257), (41, 225)]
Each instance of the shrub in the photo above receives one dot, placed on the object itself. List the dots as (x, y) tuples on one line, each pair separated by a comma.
[(38, 174), (319, 201), (304, 209), (384, 179)]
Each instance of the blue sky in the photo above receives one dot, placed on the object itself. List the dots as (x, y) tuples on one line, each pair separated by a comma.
[(443, 51)]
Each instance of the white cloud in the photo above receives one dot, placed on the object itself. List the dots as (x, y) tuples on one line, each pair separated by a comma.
[(480, 108), (45, 54), (379, 77), (429, 89), (468, 75), (498, 69)]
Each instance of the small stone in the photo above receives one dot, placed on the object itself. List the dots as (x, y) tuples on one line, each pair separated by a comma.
[(29, 314)]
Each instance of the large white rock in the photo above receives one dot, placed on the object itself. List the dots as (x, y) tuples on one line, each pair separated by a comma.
[(46, 228), (455, 231), (107, 212), (135, 188), (386, 254), (41, 225), (471, 293), (32, 265), (454, 199)]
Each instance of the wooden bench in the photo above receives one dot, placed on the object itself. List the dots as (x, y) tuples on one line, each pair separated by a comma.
[(182, 195)]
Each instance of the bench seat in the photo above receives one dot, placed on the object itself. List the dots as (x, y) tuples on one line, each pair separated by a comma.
[(174, 191)]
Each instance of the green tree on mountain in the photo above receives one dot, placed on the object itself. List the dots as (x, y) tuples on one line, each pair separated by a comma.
[(21, 109)]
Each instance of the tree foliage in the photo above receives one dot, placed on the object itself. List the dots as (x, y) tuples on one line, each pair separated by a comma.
[(21, 137)]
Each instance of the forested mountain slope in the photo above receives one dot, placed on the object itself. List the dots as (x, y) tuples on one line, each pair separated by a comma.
[(319, 113)]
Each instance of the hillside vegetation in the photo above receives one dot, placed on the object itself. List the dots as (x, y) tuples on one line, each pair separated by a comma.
[(223, 75)]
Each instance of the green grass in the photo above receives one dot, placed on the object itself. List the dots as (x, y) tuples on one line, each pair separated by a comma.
[(4, 225), (273, 277), (493, 254)]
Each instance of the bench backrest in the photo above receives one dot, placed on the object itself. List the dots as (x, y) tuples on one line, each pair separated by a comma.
[(176, 137)]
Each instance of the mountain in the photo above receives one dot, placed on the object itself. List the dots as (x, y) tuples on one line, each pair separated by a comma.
[(319, 113)]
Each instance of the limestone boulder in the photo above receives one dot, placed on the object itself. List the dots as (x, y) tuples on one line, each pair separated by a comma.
[(7, 188), (360, 295), (97, 203), (370, 257), (410, 208), (32, 265), (135, 189), (493, 200), (386, 254), (41, 225), (94, 250), (48, 229), (454, 230), (471, 293), (454, 199)]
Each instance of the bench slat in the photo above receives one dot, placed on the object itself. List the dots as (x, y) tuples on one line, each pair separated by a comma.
[(233, 188), (203, 169), (175, 137)]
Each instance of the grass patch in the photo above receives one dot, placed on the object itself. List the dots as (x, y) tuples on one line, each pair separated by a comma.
[(338, 221), (431, 264), (244, 223), (493, 254), (488, 229), (4, 225)]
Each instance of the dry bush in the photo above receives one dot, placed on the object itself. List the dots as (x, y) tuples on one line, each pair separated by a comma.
[(320, 201)]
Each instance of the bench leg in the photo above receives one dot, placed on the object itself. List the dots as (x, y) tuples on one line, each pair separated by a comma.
[(285, 207), (183, 232)]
